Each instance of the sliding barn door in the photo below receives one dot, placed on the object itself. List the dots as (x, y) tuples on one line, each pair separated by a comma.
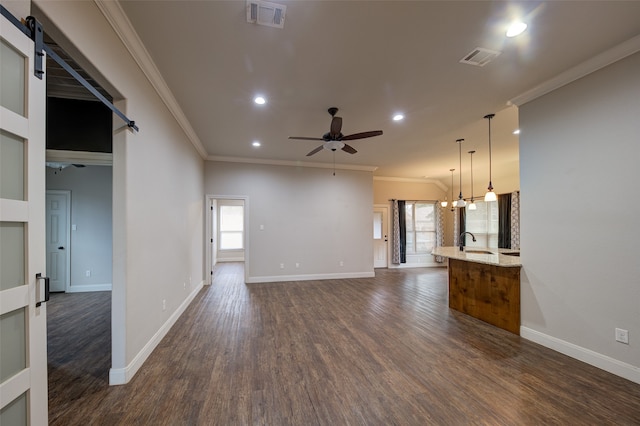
[(23, 316)]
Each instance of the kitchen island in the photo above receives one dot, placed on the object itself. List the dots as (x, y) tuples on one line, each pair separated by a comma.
[(485, 283)]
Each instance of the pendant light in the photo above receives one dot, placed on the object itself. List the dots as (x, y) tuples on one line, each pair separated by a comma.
[(490, 195), (472, 204), (461, 203), (453, 204)]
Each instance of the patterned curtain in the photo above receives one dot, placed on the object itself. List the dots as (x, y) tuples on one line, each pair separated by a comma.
[(515, 220), (439, 231), (395, 235), (456, 227)]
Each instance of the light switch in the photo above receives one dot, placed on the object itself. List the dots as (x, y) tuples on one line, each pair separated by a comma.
[(73, 227)]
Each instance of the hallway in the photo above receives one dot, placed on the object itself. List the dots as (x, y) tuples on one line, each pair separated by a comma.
[(375, 351)]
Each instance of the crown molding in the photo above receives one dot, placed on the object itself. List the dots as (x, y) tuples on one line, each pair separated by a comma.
[(412, 180), (602, 60), (120, 23), (292, 163)]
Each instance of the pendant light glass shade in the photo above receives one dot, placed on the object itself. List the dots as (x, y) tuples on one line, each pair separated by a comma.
[(472, 204), (490, 195), (444, 203), (460, 203)]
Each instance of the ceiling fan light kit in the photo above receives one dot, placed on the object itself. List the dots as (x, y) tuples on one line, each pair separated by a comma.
[(334, 139)]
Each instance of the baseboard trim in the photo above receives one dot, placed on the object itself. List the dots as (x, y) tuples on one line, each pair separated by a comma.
[(88, 288), (596, 359), (309, 277), (121, 376)]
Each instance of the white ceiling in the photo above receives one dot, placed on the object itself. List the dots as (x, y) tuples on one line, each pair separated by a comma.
[(371, 59)]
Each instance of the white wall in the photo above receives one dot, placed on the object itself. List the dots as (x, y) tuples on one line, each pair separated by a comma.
[(158, 203), (307, 215), (579, 149), (91, 242)]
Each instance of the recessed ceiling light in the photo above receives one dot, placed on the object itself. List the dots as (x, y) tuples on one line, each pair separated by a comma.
[(260, 100), (516, 132), (398, 117), (516, 28), (256, 144)]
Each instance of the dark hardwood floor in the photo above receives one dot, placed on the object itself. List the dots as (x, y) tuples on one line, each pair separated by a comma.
[(377, 351)]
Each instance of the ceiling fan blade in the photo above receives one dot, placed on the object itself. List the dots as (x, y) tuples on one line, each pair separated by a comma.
[(318, 149), (362, 135), (336, 126), (349, 149), (303, 138)]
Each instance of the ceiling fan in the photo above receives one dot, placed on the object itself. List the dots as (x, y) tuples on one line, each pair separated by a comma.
[(334, 139)]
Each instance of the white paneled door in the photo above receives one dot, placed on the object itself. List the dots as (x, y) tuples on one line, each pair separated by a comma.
[(380, 236), (58, 239), (23, 320)]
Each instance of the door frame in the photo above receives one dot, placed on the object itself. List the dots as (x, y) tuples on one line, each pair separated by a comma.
[(211, 202), (67, 194), (385, 228)]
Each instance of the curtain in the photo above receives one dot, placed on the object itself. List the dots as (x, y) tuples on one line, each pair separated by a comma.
[(399, 236), (515, 220), (504, 221), (456, 227), (439, 230), (395, 236), (402, 219), (462, 216)]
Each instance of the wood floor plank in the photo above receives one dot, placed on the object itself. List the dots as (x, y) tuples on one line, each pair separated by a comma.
[(376, 351)]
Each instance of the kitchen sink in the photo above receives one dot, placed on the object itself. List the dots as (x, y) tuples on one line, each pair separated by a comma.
[(479, 251)]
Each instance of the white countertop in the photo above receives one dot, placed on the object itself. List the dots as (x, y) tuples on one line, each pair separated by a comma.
[(495, 256)]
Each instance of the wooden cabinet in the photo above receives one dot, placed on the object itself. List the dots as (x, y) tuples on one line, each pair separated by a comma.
[(487, 292)]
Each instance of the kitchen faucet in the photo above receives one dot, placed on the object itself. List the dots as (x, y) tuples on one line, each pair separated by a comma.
[(473, 237)]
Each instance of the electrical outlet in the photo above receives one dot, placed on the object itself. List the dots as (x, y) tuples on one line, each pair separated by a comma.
[(282, 266), (622, 336), (297, 265), (164, 304), (341, 263), (184, 285)]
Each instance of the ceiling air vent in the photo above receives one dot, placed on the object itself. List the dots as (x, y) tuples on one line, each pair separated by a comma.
[(265, 13), (480, 57)]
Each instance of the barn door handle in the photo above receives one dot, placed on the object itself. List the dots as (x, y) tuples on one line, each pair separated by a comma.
[(46, 288), (60, 248)]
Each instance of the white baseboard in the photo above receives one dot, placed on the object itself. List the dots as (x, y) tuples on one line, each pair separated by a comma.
[(606, 363), (89, 287), (120, 376), (309, 277)]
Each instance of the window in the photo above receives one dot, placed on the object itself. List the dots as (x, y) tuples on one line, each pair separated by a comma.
[(421, 227), (231, 227), (483, 223)]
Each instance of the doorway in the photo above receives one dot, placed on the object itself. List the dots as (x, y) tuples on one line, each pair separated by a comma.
[(227, 231)]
